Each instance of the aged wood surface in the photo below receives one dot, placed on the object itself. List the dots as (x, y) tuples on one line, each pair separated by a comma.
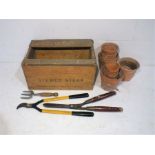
[(60, 64), (60, 77), (62, 54), (62, 43)]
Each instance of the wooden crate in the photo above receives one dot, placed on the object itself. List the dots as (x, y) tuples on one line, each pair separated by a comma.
[(60, 64)]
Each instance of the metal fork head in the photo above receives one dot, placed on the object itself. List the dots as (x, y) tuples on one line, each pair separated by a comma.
[(27, 94)]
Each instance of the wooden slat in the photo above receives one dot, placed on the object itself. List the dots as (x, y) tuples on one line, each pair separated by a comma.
[(62, 54), (62, 43)]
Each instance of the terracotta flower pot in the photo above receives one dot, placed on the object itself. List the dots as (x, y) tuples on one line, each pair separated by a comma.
[(129, 67), (111, 69), (110, 59), (107, 59), (110, 48), (110, 83)]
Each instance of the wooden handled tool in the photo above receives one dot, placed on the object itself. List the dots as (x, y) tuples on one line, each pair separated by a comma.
[(29, 94), (91, 108)]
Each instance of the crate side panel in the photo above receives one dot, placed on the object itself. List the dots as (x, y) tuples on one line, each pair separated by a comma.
[(60, 77)]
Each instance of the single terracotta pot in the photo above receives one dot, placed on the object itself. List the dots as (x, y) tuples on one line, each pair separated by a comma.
[(107, 59), (110, 83), (109, 48), (106, 54), (111, 69), (129, 67)]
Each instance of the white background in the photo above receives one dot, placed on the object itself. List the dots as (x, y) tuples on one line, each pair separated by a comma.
[(135, 39)]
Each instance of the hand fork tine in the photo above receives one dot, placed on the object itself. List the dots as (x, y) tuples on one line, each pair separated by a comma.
[(27, 94), (31, 93)]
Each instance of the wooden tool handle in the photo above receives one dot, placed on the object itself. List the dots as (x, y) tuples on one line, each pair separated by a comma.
[(103, 109), (47, 94), (100, 97)]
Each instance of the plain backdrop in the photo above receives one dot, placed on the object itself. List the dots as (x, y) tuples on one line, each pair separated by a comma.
[(131, 35), (136, 38)]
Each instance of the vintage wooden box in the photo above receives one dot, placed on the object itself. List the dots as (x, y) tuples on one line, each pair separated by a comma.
[(60, 64)]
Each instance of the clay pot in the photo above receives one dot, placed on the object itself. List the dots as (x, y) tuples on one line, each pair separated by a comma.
[(110, 48), (129, 67), (107, 59), (110, 83), (109, 52), (110, 59), (111, 69)]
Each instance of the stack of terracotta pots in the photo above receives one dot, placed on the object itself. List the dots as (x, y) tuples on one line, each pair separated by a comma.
[(114, 70), (111, 74)]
